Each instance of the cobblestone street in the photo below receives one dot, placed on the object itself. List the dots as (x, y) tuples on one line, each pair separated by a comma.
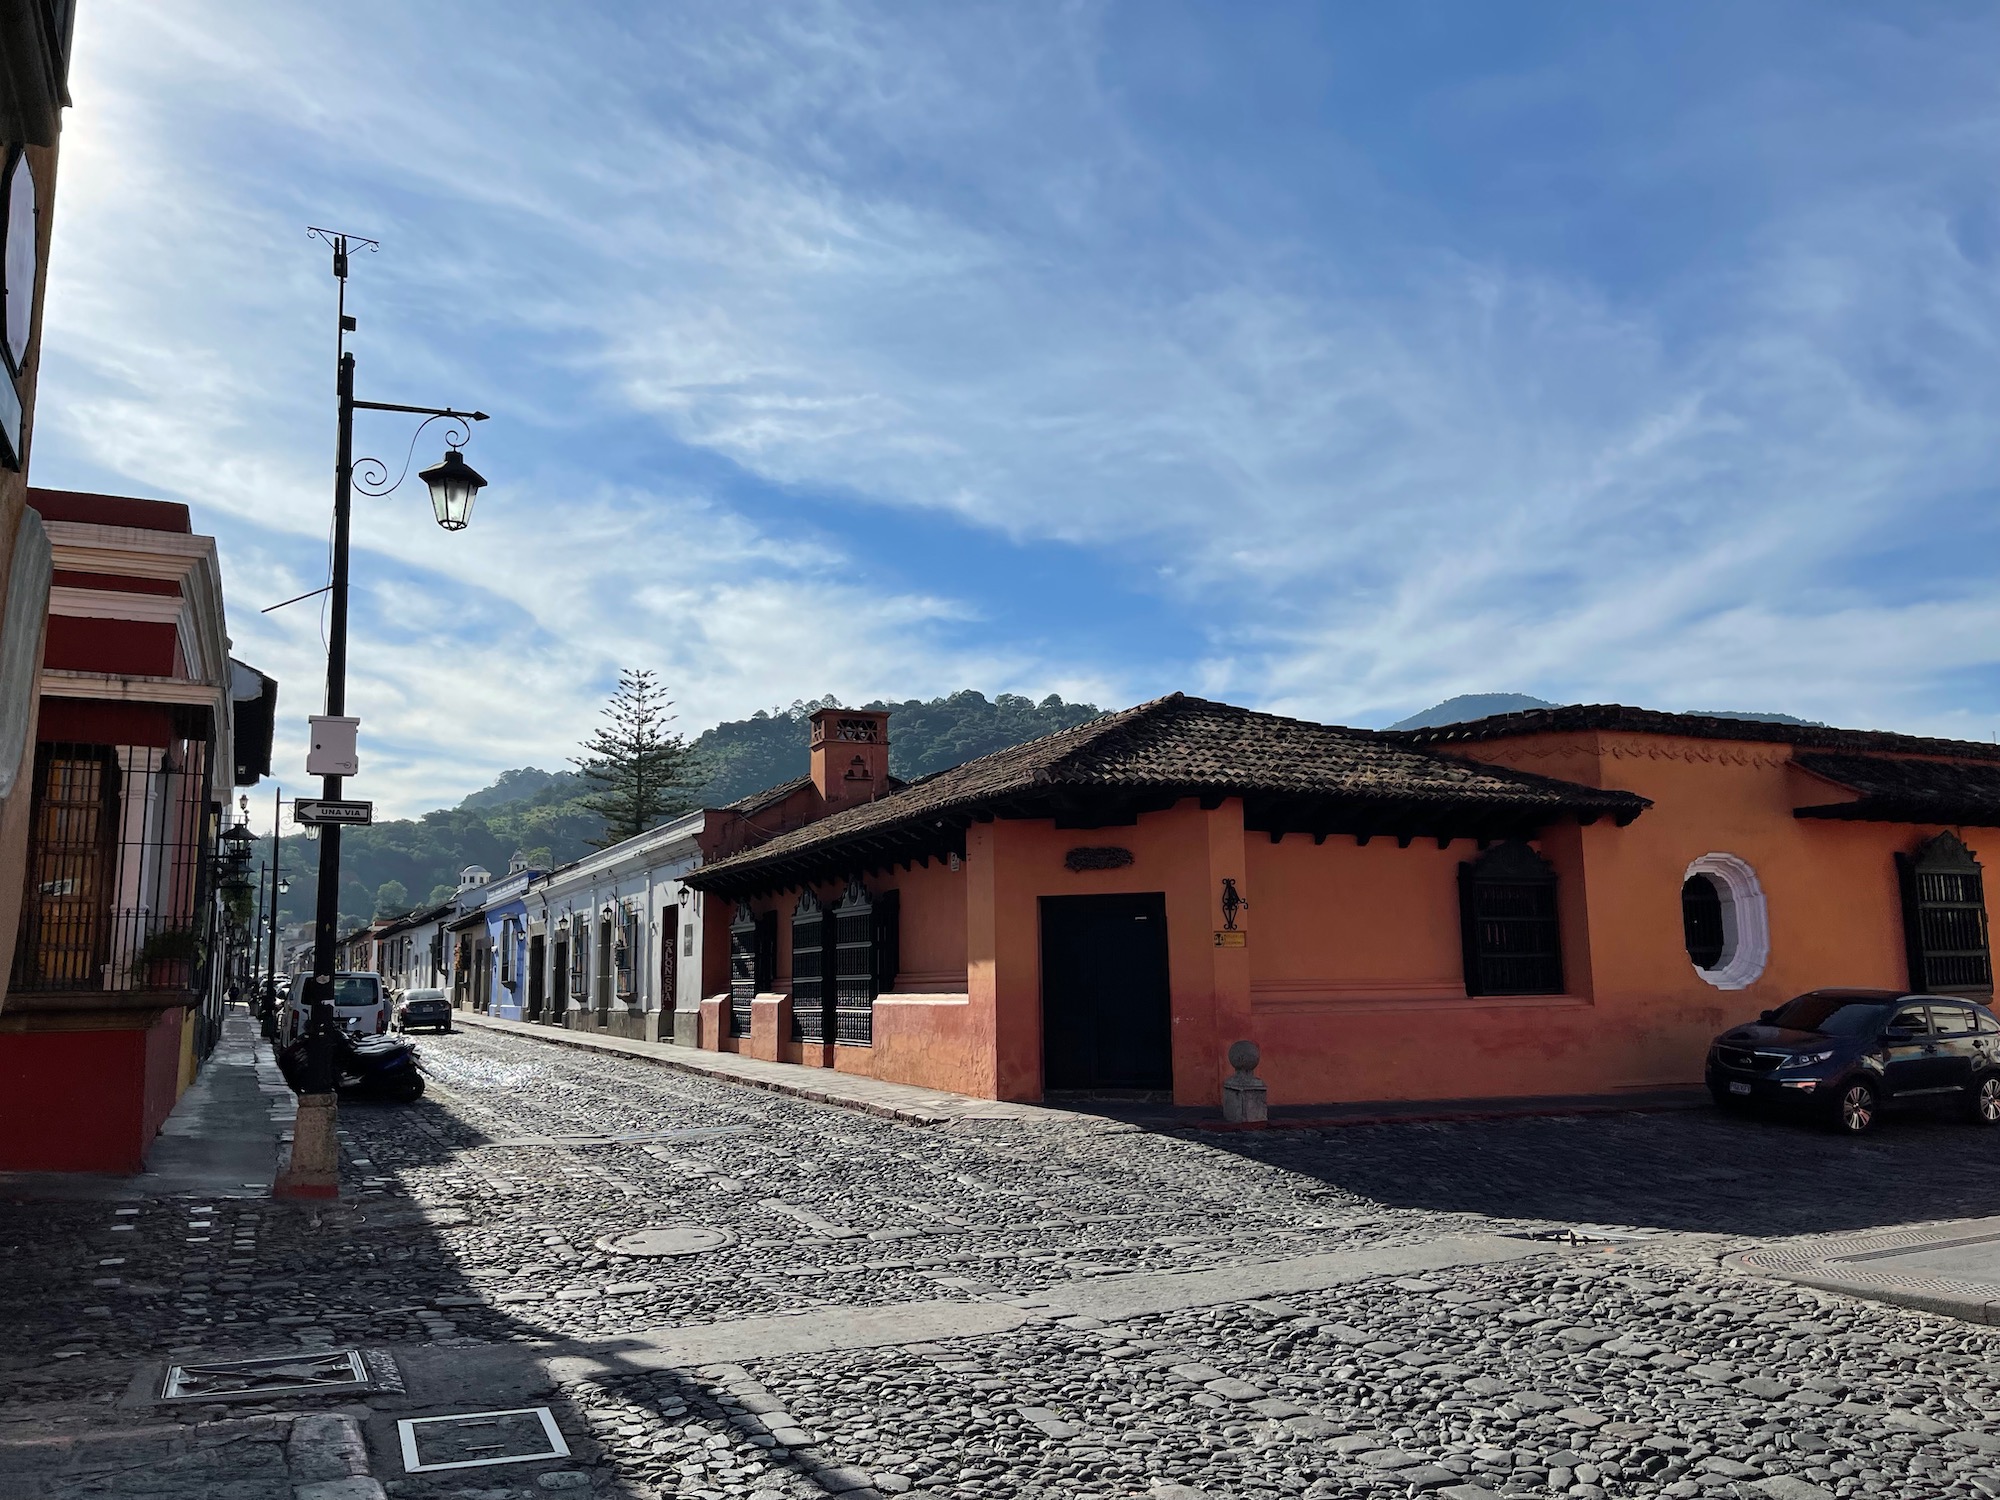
[(1073, 1306)]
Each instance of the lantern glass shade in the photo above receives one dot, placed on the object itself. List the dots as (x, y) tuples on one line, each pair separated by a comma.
[(454, 485)]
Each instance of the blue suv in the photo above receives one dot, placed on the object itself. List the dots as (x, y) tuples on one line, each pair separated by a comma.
[(1846, 1055)]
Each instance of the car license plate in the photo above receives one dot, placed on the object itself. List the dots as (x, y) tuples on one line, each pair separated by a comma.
[(1739, 1088)]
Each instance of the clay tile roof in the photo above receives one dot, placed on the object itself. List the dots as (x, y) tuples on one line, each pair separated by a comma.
[(1897, 789), (757, 801), (1292, 774), (1618, 717)]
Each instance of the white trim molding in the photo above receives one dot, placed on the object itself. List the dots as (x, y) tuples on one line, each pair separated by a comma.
[(1746, 926)]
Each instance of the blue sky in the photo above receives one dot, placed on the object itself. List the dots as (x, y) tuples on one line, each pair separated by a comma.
[(1330, 359)]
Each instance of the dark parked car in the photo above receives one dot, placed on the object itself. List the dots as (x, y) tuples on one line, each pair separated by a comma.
[(1848, 1054), (419, 1008)]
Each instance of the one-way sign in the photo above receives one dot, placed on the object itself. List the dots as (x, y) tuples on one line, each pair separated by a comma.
[(360, 813)]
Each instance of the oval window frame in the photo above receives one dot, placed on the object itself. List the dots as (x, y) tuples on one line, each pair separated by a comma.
[(1746, 927)]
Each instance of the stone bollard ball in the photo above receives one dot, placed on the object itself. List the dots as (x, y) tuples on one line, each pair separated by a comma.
[(1244, 1056)]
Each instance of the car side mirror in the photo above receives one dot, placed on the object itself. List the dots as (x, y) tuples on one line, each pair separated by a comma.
[(1898, 1034), (1766, 1017)]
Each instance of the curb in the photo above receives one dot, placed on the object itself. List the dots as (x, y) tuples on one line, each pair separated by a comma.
[(1861, 1264), (582, 1042), (1444, 1115)]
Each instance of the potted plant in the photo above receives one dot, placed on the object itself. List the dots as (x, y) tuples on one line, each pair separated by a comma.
[(167, 959)]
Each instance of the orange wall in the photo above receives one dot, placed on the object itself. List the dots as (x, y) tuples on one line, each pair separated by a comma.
[(1174, 852), (1351, 978)]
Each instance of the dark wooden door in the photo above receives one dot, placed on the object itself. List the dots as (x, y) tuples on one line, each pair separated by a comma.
[(537, 963), (1105, 1001)]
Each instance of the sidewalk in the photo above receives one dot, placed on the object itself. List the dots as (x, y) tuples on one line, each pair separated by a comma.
[(922, 1106), (221, 1141), (1952, 1267), (893, 1101)]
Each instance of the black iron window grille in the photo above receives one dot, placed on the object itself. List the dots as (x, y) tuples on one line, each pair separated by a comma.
[(867, 934), (810, 992), (1944, 918), (742, 968), (627, 954), (1507, 920), (118, 893), (854, 967)]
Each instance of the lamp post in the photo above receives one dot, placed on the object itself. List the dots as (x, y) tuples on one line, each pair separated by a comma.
[(454, 485), (278, 885)]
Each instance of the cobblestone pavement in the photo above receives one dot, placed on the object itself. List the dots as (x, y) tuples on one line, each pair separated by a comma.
[(1626, 1365)]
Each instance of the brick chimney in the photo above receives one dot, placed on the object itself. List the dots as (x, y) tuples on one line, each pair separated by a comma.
[(850, 755)]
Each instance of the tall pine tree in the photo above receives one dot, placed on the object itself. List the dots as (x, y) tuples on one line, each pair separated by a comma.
[(639, 770)]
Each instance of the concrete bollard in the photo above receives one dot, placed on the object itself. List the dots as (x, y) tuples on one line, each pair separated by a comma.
[(1243, 1092), (314, 1169)]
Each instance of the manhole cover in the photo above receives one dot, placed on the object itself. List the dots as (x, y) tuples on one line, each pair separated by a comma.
[(668, 1239), (223, 1379), (479, 1438)]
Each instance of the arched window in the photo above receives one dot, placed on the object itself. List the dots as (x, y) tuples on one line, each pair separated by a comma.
[(1723, 922)]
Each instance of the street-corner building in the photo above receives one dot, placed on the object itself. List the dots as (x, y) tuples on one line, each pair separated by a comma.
[(1561, 902), (34, 73), (144, 726)]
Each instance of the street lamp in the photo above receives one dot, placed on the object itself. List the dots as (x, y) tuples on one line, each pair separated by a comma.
[(454, 485), (314, 1168)]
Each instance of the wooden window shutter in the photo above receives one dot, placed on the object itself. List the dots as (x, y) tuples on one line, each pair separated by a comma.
[(767, 952), (1507, 922), (888, 938), (1944, 918), (810, 991)]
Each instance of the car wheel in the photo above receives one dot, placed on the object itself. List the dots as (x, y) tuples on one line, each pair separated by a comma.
[(1856, 1107), (1986, 1099)]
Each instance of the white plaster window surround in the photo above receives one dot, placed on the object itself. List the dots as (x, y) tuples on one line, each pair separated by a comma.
[(1746, 927)]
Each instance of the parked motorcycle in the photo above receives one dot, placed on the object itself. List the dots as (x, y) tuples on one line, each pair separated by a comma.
[(370, 1067)]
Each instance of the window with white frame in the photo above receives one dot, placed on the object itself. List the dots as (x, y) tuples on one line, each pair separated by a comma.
[(1724, 923)]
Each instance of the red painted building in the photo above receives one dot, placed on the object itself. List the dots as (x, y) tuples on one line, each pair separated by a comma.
[(145, 726)]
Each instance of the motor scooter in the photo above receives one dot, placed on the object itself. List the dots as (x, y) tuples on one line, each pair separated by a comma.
[(371, 1067)]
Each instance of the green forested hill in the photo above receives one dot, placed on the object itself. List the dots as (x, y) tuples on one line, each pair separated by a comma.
[(415, 861)]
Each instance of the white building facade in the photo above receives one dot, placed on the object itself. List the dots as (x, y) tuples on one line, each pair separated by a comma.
[(613, 941)]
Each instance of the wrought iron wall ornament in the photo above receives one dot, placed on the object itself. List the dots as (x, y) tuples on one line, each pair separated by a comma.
[(1097, 857), (1233, 901)]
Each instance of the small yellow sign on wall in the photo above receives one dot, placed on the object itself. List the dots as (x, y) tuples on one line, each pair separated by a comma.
[(1225, 938)]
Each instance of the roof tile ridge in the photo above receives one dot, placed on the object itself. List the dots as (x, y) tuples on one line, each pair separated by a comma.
[(1108, 725)]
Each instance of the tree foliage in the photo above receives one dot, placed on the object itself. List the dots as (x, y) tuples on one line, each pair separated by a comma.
[(639, 771), (541, 813)]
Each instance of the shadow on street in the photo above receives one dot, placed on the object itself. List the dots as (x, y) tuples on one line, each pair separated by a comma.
[(1687, 1170)]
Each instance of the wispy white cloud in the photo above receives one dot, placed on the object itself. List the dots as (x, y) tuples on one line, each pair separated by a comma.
[(859, 271)]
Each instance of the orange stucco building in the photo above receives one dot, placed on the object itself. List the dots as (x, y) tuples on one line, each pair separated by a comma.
[(1566, 901)]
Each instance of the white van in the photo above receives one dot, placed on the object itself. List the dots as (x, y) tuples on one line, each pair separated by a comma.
[(360, 1004)]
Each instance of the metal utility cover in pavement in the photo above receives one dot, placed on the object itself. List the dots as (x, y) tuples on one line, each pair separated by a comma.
[(478, 1439), (668, 1239), (226, 1379)]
